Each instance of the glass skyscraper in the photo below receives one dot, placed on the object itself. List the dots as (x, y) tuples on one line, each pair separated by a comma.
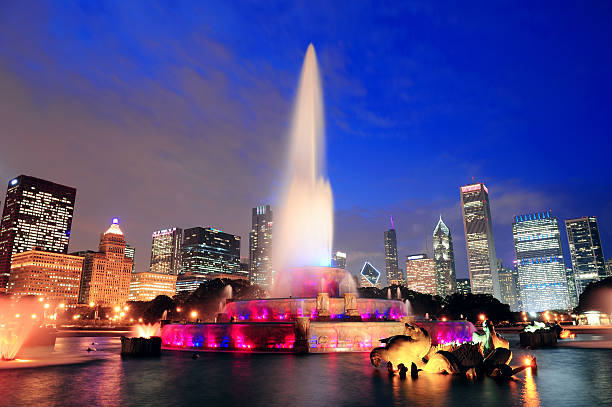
[(421, 274), (444, 260), (166, 251), (539, 261), (394, 273), (339, 260), (260, 247), (369, 276), (464, 286), (209, 250), (509, 287), (37, 214), (585, 250), (479, 242)]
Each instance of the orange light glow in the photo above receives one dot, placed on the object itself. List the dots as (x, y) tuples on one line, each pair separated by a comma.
[(444, 319), (527, 361), (482, 317), (194, 314)]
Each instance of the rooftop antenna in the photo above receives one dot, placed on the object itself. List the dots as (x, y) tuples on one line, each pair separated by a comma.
[(391, 221)]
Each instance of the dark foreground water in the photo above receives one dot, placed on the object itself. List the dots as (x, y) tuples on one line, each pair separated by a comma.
[(566, 377)]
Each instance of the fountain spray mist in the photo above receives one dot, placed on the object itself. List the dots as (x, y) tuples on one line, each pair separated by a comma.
[(303, 229)]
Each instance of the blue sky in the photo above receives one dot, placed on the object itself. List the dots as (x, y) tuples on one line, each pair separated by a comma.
[(176, 113)]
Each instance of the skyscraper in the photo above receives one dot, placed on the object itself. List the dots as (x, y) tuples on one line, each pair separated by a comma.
[(421, 274), (209, 250), (463, 286), (444, 260), (166, 251), (37, 214), (107, 272), (394, 273), (260, 247), (608, 267), (130, 253), (479, 242), (509, 287), (339, 260), (571, 287), (585, 250), (369, 276), (542, 278)]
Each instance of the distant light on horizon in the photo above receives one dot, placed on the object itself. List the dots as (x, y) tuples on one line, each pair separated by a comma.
[(115, 221)]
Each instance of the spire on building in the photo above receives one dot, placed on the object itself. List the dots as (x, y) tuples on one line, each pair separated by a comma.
[(114, 228)]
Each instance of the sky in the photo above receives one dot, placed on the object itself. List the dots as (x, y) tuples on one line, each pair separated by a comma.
[(177, 113)]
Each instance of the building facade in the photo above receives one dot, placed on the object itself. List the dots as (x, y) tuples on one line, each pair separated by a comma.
[(509, 287), (539, 261), (585, 251), (608, 267), (369, 276), (339, 260), (107, 273), (444, 260), (54, 276), (260, 247), (394, 273), (166, 251), (571, 287), (209, 250), (463, 286), (146, 286), (479, 242), (130, 253), (421, 274), (37, 214)]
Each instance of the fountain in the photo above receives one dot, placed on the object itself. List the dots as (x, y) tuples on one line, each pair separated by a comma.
[(315, 308)]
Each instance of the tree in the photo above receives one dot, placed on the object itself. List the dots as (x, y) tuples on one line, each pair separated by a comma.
[(156, 308)]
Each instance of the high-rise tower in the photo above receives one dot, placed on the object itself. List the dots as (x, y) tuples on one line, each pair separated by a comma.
[(210, 250), (394, 273), (479, 242), (260, 247), (106, 274), (166, 251), (586, 251), (539, 261), (37, 214), (444, 259)]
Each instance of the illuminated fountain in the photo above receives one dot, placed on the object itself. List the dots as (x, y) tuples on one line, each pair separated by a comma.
[(315, 308)]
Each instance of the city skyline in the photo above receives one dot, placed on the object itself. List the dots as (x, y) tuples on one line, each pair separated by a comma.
[(168, 109)]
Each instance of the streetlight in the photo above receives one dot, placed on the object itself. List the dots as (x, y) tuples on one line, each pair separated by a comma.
[(482, 317), (126, 308), (117, 308), (194, 314), (91, 304)]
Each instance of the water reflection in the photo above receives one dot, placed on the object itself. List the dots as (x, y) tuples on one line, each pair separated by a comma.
[(530, 393), (566, 377)]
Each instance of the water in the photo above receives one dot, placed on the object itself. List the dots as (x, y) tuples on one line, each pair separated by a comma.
[(303, 228), (566, 377)]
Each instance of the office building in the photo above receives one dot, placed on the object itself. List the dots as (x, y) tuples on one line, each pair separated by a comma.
[(37, 214), (539, 261), (509, 287), (146, 286), (54, 276), (260, 247), (463, 286), (609, 268), (187, 283), (339, 260), (209, 250), (479, 242), (585, 251), (130, 253), (394, 273), (369, 276), (444, 260), (166, 251), (571, 287), (421, 274), (107, 273)]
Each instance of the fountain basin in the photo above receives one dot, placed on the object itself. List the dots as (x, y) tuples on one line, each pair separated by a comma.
[(289, 309)]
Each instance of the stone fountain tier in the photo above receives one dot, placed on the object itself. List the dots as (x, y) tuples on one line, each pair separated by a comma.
[(321, 308)]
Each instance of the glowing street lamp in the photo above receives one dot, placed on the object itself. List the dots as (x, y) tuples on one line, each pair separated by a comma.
[(482, 317), (117, 309), (126, 308), (178, 309), (91, 304), (46, 306), (194, 314), (62, 305)]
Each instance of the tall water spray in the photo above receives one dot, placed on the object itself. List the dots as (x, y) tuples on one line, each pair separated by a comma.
[(303, 229)]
